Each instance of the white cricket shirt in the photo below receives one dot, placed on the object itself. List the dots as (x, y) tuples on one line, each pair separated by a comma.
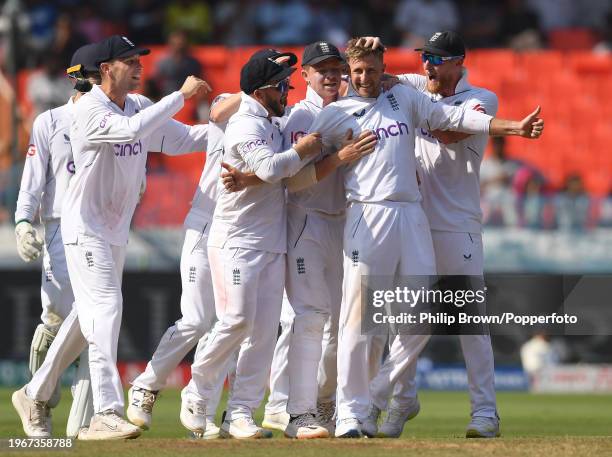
[(389, 173), (256, 217), (450, 174), (110, 148), (327, 195), (48, 166)]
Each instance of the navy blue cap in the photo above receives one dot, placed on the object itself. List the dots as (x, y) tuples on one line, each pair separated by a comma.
[(118, 47), (85, 58)]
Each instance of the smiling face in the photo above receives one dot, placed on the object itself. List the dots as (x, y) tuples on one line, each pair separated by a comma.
[(442, 79), (125, 73), (324, 78), (366, 73)]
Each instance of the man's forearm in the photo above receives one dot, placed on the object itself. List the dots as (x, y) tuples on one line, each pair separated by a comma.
[(504, 127)]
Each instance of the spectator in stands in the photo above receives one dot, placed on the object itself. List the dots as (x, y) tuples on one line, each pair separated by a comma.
[(528, 185), (605, 44), (520, 28), (66, 41), (173, 69), (285, 23), (193, 16), (91, 23), (555, 14), (573, 205), (417, 20), (496, 173), (332, 19), (234, 24), (373, 19), (42, 16), (50, 87), (145, 20), (480, 23)]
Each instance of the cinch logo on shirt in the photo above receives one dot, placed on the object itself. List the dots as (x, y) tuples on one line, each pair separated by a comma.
[(250, 145), (104, 119), (392, 130), (426, 133), (295, 136), (128, 149)]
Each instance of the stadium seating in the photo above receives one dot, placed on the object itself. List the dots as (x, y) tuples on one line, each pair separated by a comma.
[(573, 88)]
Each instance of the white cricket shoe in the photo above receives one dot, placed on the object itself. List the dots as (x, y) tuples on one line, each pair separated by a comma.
[(483, 427), (348, 428), (276, 421), (35, 415), (305, 426), (193, 415), (140, 406), (393, 424), (109, 425), (212, 431), (325, 415), (369, 426), (241, 428)]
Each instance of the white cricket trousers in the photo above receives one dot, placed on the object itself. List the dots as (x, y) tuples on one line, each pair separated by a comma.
[(279, 371), (314, 289), (55, 292), (457, 253), (248, 287), (386, 240), (96, 267)]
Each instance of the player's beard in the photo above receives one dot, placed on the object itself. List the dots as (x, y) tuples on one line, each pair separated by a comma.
[(276, 107), (435, 86)]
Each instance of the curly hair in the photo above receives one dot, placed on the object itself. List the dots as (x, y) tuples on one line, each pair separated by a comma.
[(354, 51)]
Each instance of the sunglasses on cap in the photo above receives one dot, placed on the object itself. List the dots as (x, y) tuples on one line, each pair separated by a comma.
[(437, 60), (282, 86)]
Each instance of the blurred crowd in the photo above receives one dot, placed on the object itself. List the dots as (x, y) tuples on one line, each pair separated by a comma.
[(513, 193), (52, 30)]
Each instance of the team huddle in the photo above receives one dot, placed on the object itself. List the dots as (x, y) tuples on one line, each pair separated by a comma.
[(296, 209)]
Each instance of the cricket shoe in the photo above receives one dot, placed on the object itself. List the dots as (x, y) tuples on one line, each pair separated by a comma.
[(483, 427), (393, 425), (305, 426), (193, 415), (140, 406), (276, 421), (211, 433), (109, 425), (369, 426), (326, 412), (35, 415), (348, 428), (242, 428)]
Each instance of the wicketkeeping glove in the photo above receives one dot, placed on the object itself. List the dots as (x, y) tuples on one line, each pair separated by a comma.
[(29, 243)]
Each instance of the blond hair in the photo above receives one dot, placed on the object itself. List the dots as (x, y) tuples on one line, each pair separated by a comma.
[(354, 51)]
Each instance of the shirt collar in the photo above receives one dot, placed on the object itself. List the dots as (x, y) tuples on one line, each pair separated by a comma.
[(313, 97), (251, 106)]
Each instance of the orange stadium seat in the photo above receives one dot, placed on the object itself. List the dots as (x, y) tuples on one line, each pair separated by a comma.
[(571, 39)]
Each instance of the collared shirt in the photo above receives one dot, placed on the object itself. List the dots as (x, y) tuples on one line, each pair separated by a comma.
[(48, 166), (450, 174), (326, 196), (110, 147), (256, 217), (389, 173)]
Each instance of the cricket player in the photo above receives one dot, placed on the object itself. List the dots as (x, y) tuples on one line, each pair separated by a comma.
[(314, 258), (247, 245), (110, 134), (48, 168), (197, 300), (448, 168), (386, 233)]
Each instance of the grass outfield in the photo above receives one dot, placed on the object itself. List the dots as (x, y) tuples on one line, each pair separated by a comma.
[(532, 425)]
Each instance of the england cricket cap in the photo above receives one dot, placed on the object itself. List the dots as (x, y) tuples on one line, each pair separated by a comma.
[(320, 51), (118, 47), (274, 54), (444, 44), (84, 59), (259, 71)]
